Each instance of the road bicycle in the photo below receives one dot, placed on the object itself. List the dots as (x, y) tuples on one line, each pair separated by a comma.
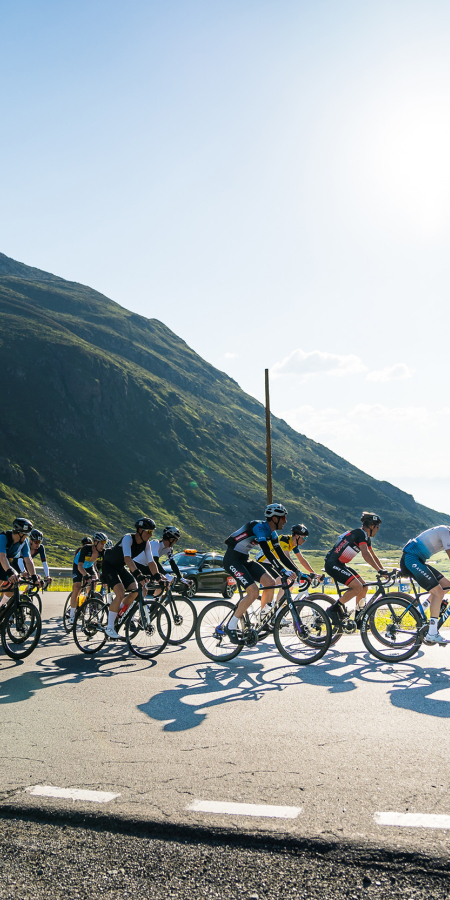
[(20, 624), (182, 612), (294, 623), (100, 594), (144, 622), (33, 591), (389, 623)]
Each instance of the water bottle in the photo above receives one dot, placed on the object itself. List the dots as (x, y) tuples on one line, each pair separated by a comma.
[(425, 601)]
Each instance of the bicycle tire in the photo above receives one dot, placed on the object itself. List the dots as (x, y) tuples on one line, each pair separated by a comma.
[(19, 639), (149, 638), (323, 601), (209, 639), (88, 627), (394, 623), (305, 647), (35, 599), (67, 624), (183, 619), (395, 594)]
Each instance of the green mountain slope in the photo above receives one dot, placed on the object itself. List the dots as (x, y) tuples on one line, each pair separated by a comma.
[(107, 414)]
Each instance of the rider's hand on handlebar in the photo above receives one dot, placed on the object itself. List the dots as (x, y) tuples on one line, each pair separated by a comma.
[(384, 573)]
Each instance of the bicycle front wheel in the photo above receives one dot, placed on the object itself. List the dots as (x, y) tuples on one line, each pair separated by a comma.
[(183, 617), (148, 630), (21, 630), (325, 603), (304, 636), (391, 629), (210, 633), (89, 626)]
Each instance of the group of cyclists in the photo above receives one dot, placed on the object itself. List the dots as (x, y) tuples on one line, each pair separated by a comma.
[(136, 559)]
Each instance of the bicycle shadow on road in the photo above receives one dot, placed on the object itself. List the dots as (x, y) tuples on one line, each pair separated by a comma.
[(248, 678)]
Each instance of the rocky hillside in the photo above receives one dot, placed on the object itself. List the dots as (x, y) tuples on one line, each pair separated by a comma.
[(107, 414)]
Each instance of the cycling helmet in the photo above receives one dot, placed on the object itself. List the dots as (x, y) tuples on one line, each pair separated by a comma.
[(36, 535), (86, 540), (275, 509), (145, 523), (171, 531), (100, 536), (300, 529), (24, 526), (368, 518)]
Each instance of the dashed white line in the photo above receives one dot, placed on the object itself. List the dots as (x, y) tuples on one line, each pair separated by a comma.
[(412, 820), (245, 809), (47, 790)]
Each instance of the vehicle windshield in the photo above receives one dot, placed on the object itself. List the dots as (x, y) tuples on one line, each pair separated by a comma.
[(183, 559)]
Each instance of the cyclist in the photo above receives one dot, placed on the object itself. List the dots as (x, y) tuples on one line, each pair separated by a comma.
[(290, 543), (413, 562), (12, 544), (85, 565), (250, 573), (37, 548), (346, 547), (121, 567)]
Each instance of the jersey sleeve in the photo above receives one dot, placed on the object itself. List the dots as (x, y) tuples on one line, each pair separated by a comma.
[(42, 553), (2, 543), (126, 545), (360, 537), (148, 553), (25, 549)]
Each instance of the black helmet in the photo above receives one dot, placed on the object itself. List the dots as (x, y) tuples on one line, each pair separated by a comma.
[(145, 523), (100, 536), (86, 540), (171, 531), (24, 526), (300, 529), (36, 535), (368, 518), (275, 509)]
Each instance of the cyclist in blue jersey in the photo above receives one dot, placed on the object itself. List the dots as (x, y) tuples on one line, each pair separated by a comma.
[(13, 544), (37, 551), (85, 566), (413, 563), (250, 573)]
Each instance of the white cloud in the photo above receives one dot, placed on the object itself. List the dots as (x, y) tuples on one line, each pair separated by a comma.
[(406, 441), (230, 355), (317, 362), (391, 373)]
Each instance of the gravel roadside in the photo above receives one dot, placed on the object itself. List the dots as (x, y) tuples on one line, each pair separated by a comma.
[(63, 861)]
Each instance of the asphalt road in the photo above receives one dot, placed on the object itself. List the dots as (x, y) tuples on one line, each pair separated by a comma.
[(338, 743)]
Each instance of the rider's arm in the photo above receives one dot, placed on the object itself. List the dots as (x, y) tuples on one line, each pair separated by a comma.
[(175, 568), (21, 564), (30, 566), (44, 562), (370, 557), (280, 561), (304, 562)]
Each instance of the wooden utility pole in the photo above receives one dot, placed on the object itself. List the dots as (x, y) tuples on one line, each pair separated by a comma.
[(268, 443)]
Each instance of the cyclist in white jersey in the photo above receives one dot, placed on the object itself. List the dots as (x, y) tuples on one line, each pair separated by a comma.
[(413, 562)]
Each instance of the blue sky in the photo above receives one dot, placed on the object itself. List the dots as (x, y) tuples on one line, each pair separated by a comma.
[(270, 179)]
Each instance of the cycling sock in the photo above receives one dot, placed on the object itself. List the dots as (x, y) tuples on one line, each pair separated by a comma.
[(433, 626), (112, 616), (233, 623), (72, 613)]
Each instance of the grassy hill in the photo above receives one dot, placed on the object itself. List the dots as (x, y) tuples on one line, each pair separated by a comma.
[(107, 415)]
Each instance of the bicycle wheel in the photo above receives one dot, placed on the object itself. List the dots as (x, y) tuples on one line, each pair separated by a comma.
[(35, 599), (306, 640), (147, 633), (183, 617), (89, 626), (21, 630), (210, 634), (324, 602), (373, 621), (67, 624), (391, 630)]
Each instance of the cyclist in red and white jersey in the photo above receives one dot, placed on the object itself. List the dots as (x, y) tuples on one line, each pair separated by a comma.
[(348, 544)]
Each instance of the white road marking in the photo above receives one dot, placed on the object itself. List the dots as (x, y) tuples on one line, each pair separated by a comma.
[(47, 790), (412, 820), (245, 809)]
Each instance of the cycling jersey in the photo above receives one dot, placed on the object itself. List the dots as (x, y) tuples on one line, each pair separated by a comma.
[(128, 546), (429, 542), (159, 549), (257, 533), (348, 545), (83, 555), (40, 551), (287, 543), (13, 550)]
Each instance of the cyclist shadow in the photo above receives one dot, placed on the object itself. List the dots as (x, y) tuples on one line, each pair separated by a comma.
[(69, 670)]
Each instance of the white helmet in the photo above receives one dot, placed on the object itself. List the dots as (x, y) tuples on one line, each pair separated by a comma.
[(275, 509)]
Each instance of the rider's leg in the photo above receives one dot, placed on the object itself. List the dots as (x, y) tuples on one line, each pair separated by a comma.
[(357, 589), (267, 596), (436, 597)]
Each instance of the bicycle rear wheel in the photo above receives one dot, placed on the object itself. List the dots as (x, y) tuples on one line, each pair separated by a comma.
[(89, 626), (35, 599), (21, 630), (147, 632), (305, 637), (391, 629), (210, 634), (183, 618), (325, 602)]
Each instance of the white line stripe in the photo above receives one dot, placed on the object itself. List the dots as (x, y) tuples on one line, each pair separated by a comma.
[(47, 790), (412, 820), (245, 809)]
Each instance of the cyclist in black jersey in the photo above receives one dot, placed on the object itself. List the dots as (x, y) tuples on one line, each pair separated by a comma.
[(121, 567), (250, 573), (85, 567), (346, 547)]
